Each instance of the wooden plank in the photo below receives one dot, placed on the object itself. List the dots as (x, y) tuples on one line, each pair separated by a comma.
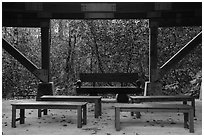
[(70, 97), (47, 105), (105, 90), (108, 77), (162, 98), (154, 106)]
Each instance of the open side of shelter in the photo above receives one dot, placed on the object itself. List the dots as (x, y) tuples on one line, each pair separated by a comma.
[(160, 14)]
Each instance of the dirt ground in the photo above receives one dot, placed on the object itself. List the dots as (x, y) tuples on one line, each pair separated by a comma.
[(63, 122)]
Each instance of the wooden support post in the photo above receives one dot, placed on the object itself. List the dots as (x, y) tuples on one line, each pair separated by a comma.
[(153, 53), (46, 87), (45, 48), (153, 87)]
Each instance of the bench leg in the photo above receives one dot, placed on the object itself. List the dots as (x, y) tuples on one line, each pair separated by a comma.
[(13, 121), (22, 116), (39, 112), (79, 117), (117, 119), (185, 120), (97, 108), (84, 114), (132, 113), (184, 102), (100, 107), (193, 105), (138, 115), (131, 101), (186, 115), (191, 122), (45, 111), (96, 112)]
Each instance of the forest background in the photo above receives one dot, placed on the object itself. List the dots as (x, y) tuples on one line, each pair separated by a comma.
[(100, 46)]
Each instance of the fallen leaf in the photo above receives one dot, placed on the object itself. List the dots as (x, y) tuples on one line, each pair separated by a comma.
[(64, 125)]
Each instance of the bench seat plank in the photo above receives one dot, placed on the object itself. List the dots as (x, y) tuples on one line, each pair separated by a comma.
[(106, 90), (153, 106), (162, 98)]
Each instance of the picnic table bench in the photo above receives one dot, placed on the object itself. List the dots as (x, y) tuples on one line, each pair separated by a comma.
[(183, 98), (182, 108), (91, 99), (107, 83), (80, 106)]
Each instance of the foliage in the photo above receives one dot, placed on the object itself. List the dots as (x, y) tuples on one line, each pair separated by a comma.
[(15, 78), (179, 78), (98, 46)]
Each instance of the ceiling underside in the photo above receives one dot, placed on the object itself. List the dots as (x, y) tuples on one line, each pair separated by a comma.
[(166, 14)]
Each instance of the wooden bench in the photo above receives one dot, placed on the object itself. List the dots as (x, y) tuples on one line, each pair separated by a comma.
[(183, 98), (91, 99), (107, 78), (186, 109), (80, 106)]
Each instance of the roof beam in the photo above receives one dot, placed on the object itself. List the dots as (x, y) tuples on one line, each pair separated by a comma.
[(181, 54), (39, 73), (30, 14)]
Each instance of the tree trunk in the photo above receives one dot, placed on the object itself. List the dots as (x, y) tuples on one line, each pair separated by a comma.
[(100, 65)]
